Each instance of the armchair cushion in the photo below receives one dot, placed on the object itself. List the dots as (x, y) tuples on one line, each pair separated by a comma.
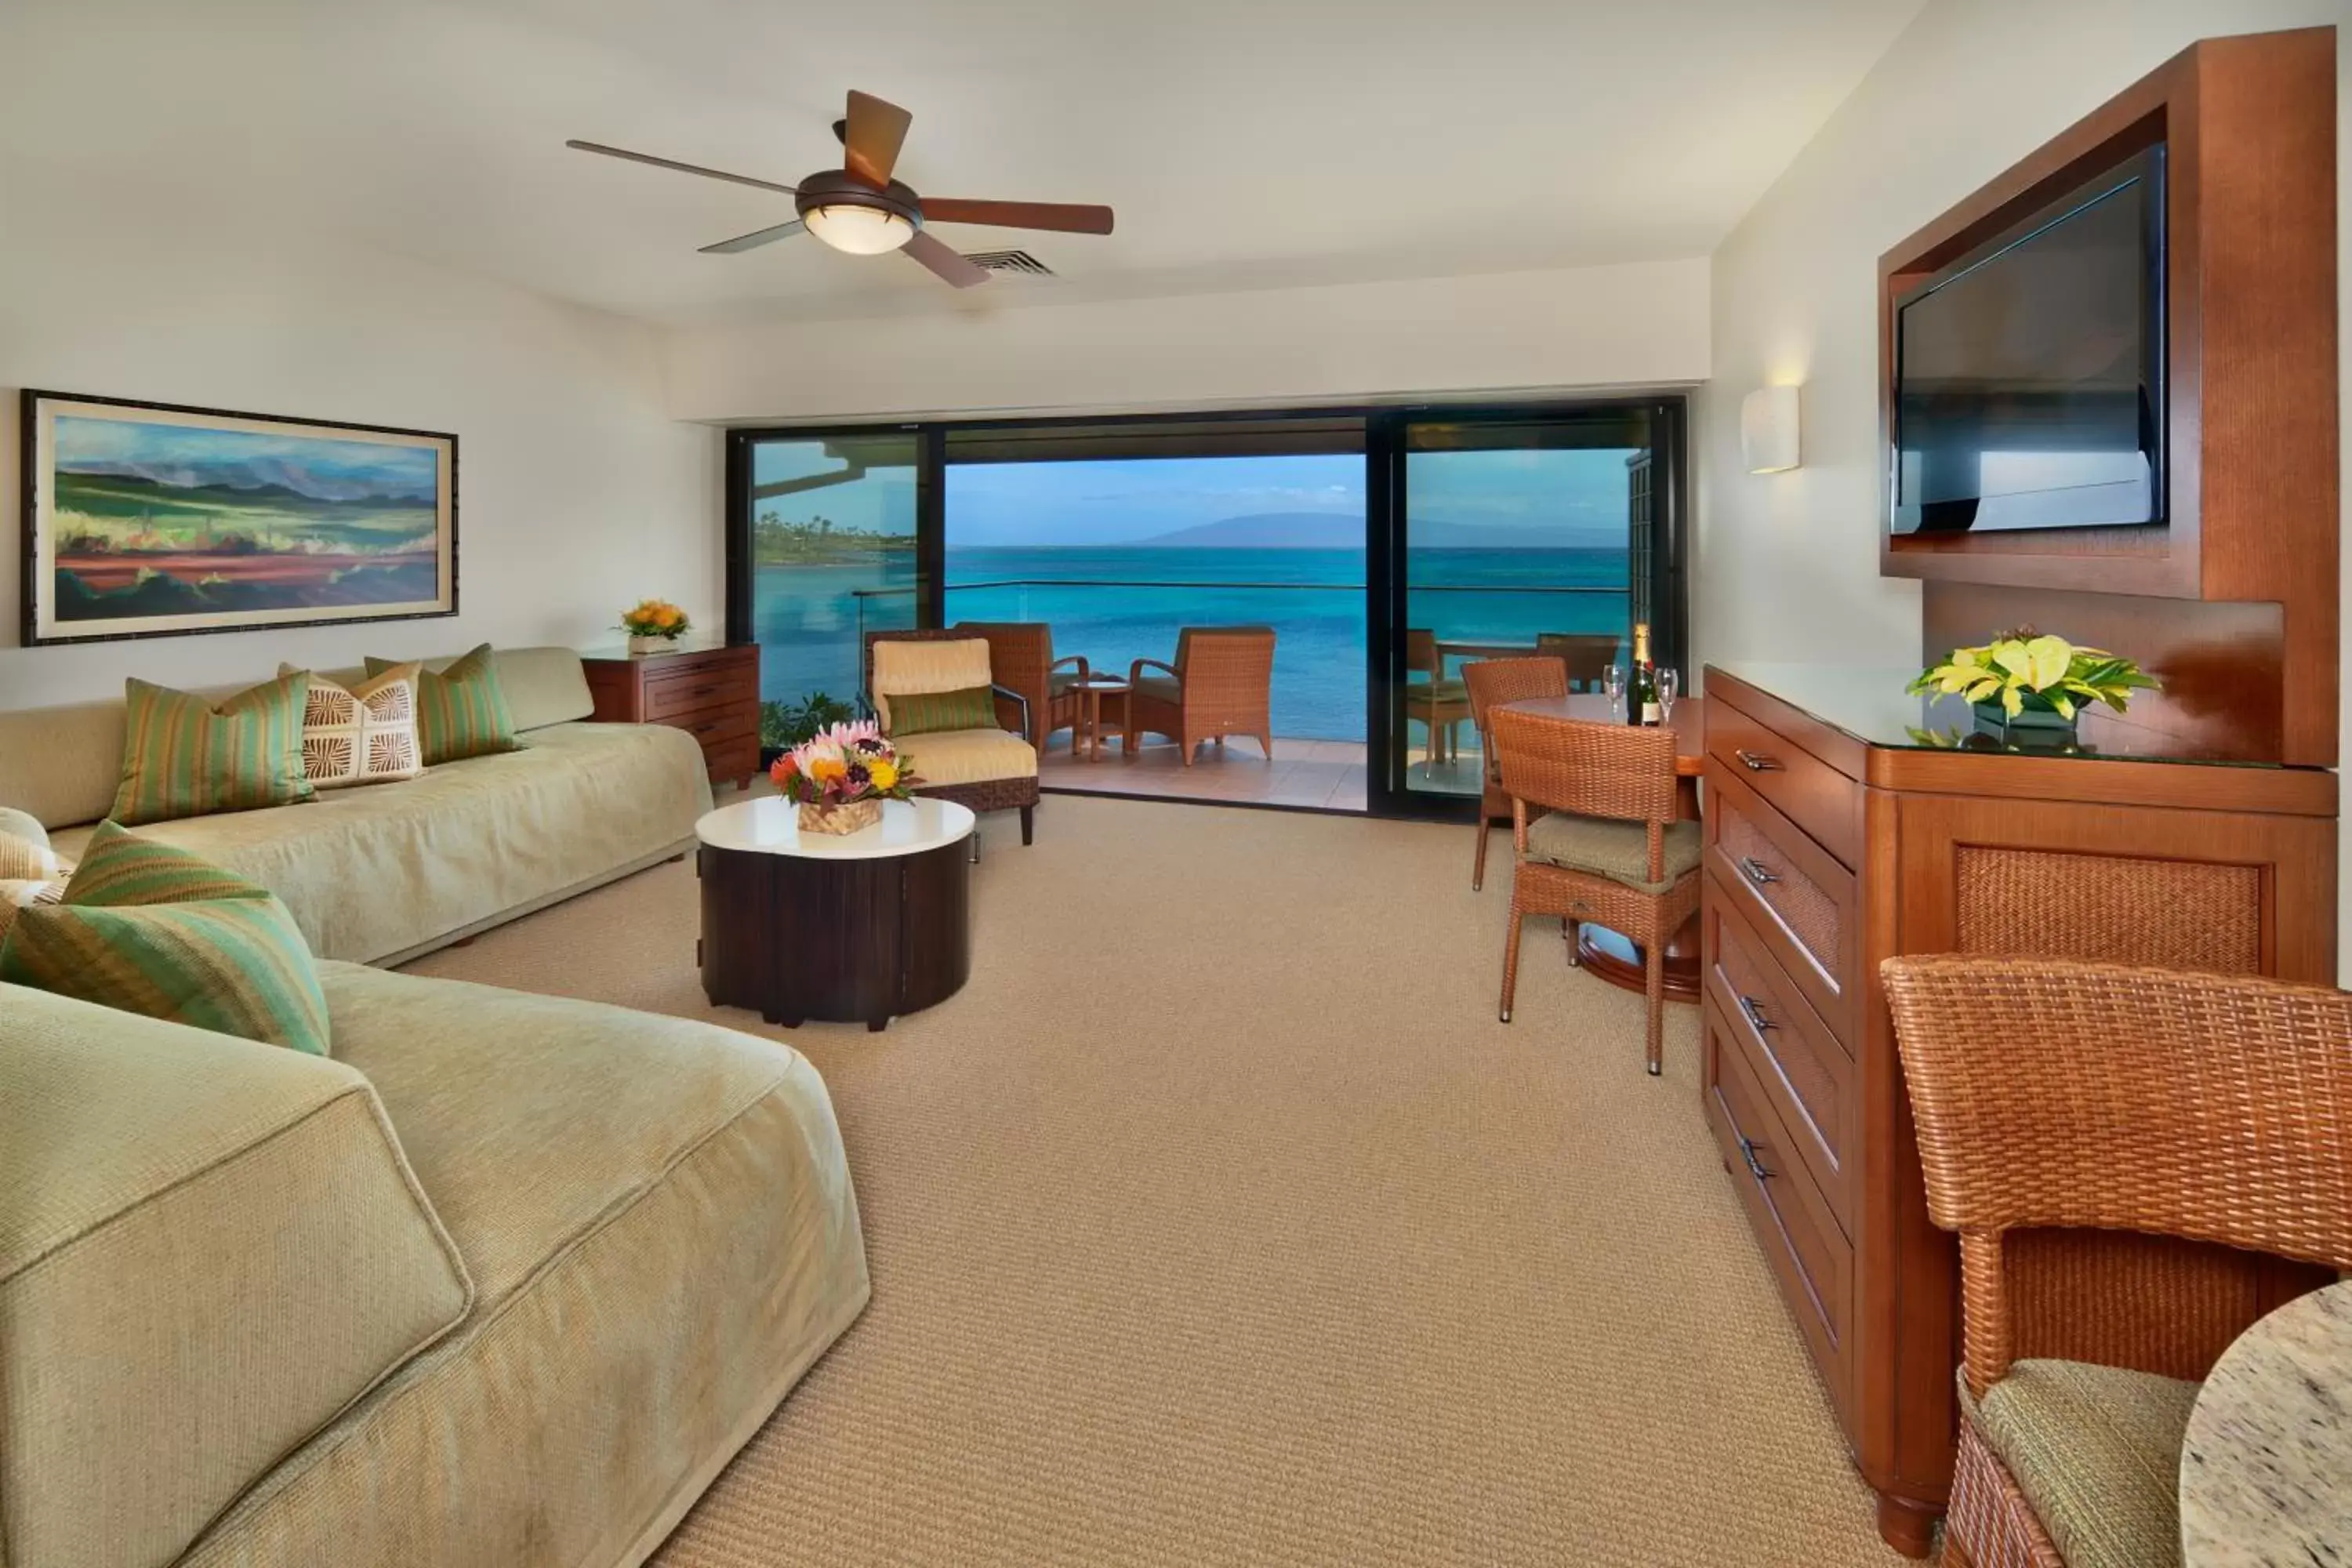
[(1161, 688), (908, 668), (968, 756), (1607, 846), (2097, 1451)]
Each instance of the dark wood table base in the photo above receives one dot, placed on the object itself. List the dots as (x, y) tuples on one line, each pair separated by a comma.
[(797, 938), (1621, 961)]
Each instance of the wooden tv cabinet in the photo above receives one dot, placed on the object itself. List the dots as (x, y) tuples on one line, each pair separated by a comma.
[(1836, 839)]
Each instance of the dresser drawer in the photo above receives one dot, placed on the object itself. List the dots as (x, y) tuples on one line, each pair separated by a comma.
[(701, 685), (1803, 1070), (717, 726), (1801, 901), (1809, 792), (1809, 1257)]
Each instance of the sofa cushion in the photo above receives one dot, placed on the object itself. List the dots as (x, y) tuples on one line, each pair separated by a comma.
[(925, 665), (372, 874), (187, 755), (967, 756), (663, 1237), (362, 731), (1604, 847), (461, 708), (209, 1249), (2097, 1451), (234, 963), (930, 712)]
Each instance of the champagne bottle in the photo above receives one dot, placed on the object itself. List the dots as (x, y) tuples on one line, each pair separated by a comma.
[(1642, 688)]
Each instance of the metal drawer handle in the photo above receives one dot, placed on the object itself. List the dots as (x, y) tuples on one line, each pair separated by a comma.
[(1756, 762), (1757, 872), (1753, 1011), (1755, 1166)]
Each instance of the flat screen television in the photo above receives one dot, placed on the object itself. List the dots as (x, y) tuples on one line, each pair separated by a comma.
[(2029, 374)]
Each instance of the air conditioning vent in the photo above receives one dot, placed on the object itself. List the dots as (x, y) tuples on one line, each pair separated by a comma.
[(1017, 261)]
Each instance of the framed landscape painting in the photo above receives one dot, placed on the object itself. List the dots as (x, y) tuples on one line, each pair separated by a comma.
[(151, 520)]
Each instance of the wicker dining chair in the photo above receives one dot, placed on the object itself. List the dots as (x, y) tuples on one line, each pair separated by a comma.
[(1594, 835), (2105, 1098), (1440, 703), (1021, 656), (984, 768), (1586, 654), (1222, 684), (1491, 682)]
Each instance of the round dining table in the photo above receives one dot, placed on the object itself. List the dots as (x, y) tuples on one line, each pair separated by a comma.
[(1610, 956), (2266, 1465)]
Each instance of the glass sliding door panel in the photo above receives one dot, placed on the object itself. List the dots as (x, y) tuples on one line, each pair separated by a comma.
[(832, 532), (1517, 537)]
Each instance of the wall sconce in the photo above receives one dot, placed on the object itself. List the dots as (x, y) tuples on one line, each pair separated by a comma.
[(1767, 429)]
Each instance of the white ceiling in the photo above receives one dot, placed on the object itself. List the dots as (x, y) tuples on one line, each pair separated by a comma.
[(1279, 143)]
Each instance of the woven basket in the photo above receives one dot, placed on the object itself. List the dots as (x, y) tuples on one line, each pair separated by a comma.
[(839, 819)]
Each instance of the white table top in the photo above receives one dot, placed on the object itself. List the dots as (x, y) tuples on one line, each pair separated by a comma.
[(2266, 1469), (771, 826)]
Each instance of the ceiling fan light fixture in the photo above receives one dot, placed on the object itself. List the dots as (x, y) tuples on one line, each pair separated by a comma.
[(858, 228)]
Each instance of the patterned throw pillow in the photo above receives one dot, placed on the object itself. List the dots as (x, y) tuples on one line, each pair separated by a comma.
[(360, 734), (925, 713), (229, 959), (184, 755), (30, 873), (460, 710)]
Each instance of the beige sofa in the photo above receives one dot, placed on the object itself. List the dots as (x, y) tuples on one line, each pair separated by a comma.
[(381, 873), (504, 1285)]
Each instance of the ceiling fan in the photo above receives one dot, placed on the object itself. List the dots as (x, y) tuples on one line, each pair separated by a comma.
[(862, 210)]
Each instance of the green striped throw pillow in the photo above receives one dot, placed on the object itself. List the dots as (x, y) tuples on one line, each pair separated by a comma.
[(460, 710), (184, 755), (119, 868), (236, 964), (929, 713)]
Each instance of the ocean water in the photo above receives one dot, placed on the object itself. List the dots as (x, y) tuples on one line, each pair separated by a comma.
[(808, 618)]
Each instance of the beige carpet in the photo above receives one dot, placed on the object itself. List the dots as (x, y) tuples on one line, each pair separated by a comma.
[(1218, 1221)]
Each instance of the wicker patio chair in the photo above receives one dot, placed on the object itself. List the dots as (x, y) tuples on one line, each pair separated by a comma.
[(2105, 1100), (1437, 702), (991, 769), (1586, 654), (1021, 656), (1222, 684), (1492, 682), (1593, 829)]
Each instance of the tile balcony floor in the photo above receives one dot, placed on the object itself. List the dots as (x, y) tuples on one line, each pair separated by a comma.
[(1327, 776)]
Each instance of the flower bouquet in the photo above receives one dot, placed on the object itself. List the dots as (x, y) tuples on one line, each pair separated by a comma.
[(654, 625), (2023, 680), (840, 777)]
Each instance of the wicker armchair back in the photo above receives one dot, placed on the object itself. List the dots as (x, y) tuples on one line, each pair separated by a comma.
[(1494, 681), (2060, 1093), (1586, 654), (1624, 771)]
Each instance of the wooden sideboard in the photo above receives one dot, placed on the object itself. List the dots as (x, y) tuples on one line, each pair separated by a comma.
[(1834, 842), (712, 693)]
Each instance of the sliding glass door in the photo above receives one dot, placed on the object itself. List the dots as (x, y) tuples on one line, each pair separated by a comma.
[(824, 546), (1510, 535)]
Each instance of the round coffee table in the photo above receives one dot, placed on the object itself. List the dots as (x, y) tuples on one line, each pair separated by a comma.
[(859, 927)]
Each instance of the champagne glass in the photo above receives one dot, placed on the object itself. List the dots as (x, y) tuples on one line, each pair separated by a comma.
[(1612, 685), (1668, 682)]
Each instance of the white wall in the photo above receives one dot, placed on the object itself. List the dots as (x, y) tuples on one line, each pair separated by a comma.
[(1636, 325), (577, 493), (1788, 564)]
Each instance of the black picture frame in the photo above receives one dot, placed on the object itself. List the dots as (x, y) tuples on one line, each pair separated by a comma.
[(40, 625)]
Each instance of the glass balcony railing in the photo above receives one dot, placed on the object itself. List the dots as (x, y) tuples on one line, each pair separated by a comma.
[(1319, 636)]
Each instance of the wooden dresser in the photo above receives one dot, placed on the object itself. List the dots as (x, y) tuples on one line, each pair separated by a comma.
[(711, 693), (1836, 838)]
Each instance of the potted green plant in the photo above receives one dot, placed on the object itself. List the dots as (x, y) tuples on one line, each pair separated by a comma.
[(783, 725), (2026, 680)]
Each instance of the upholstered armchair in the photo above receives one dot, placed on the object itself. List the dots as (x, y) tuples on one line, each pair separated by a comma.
[(2074, 1118), (1491, 682), (1222, 684), (1021, 656), (935, 697), (1594, 832)]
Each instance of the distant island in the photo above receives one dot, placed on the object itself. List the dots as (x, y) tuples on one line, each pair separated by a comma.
[(1345, 530)]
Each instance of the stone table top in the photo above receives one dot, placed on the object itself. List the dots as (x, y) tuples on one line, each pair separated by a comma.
[(2266, 1469)]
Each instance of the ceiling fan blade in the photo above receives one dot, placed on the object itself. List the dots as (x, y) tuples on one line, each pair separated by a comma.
[(1066, 216), (875, 132), (946, 260), (682, 168), (756, 238)]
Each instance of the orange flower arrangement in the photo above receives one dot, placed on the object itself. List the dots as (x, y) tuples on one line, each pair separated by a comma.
[(655, 618)]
